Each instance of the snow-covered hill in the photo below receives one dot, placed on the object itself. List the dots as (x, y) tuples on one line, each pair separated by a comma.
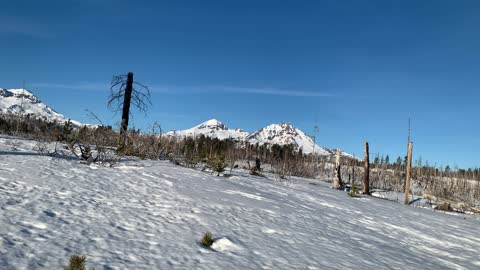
[(14, 101), (144, 214), (281, 134), (284, 134), (213, 129)]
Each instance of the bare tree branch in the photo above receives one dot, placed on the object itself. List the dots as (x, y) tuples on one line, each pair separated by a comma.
[(141, 97), (122, 95)]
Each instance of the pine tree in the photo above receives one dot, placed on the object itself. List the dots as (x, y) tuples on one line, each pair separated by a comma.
[(218, 164), (67, 130)]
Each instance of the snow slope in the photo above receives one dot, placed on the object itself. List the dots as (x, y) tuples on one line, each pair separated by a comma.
[(22, 101), (211, 128), (151, 214)]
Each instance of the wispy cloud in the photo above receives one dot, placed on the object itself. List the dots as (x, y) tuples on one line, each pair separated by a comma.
[(191, 90), (84, 86), (238, 90), (277, 92), (168, 115), (11, 25)]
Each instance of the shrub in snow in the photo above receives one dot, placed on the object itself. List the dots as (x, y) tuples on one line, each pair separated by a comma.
[(218, 164), (77, 263), (126, 149), (353, 191), (63, 133), (254, 172), (207, 239), (191, 161), (443, 207)]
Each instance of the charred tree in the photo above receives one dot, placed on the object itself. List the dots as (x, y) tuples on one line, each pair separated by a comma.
[(123, 93), (366, 177), (127, 98)]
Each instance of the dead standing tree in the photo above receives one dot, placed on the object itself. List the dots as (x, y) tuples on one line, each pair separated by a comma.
[(123, 92), (337, 181), (366, 176), (409, 172)]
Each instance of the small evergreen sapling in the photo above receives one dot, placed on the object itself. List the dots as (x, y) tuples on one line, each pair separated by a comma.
[(67, 131), (207, 239), (218, 164), (77, 262), (353, 191)]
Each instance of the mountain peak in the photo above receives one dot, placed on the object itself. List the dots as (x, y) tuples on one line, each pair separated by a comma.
[(25, 94), (213, 121), (23, 101), (284, 134), (281, 126), (212, 124), (274, 130), (211, 128), (20, 91), (280, 133), (20, 94)]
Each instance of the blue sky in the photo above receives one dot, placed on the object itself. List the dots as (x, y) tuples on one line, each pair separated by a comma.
[(354, 68)]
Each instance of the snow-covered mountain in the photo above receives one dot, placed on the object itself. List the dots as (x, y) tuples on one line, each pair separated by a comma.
[(284, 134), (14, 101), (211, 128), (281, 134)]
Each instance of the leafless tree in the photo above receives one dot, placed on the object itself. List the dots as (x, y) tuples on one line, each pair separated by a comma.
[(337, 183), (366, 175), (123, 92)]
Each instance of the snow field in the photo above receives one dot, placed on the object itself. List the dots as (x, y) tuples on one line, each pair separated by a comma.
[(152, 214)]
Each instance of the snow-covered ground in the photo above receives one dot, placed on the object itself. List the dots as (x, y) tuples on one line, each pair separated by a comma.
[(151, 215)]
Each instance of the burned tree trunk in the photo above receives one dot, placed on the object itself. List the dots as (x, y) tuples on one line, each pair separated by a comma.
[(123, 93), (366, 177), (337, 182), (126, 110)]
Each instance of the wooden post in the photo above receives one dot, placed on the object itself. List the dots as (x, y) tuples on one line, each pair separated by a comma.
[(337, 182), (409, 172), (366, 177)]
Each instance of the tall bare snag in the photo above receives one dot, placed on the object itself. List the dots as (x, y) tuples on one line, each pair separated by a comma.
[(124, 91), (366, 177)]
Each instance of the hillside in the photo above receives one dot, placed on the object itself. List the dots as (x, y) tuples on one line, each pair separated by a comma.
[(151, 214), (22, 101)]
